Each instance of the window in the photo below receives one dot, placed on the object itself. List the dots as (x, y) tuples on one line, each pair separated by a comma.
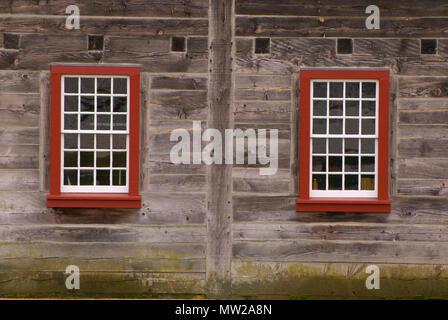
[(94, 137), (344, 141)]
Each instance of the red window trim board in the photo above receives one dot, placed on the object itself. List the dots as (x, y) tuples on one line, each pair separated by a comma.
[(132, 199), (382, 202)]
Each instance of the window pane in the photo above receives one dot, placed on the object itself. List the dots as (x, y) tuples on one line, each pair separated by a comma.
[(103, 104), (87, 121), (70, 159), (86, 177), (319, 145), (103, 122), (352, 90), (87, 85), (368, 126), (119, 122), (351, 164), (71, 103), (103, 177), (334, 182), (351, 126), (71, 85), (335, 145), (103, 141), (103, 85), (351, 182), (318, 182), (319, 108), (103, 159), (120, 104), (335, 164), (119, 160), (368, 89), (120, 85), (367, 164), (319, 164), (119, 177), (320, 89), (70, 141), (87, 141), (368, 146), (88, 103), (119, 141), (352, 108), (367, 182), (336, 108), (351, 146), (336, 89), (71, 122), (86, 158), (368, 108), (335, 126), (70, 177), (319, 126)]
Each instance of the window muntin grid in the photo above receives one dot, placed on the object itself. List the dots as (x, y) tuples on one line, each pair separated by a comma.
[(344, 138), (95, 134)]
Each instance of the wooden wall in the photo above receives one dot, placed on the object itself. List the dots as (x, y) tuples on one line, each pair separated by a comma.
[(166, 247)]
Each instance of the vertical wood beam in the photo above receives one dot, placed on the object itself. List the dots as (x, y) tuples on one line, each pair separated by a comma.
[(219, 177)]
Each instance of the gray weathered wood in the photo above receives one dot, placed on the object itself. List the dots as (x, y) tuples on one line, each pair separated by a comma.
[(183, 82), (420, 187), (177, 183), (19, 156), (24, 180), (178, 104)]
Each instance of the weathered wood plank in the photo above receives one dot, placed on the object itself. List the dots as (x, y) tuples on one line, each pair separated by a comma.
[(423, 104), (423, 87), (18, 109), (283, 129), (161, 164), (249, 180), (139, 8), (422, 168), (24, 180), (425, 148), (422, 187), (262, 111), (425, 117), (19, 156), (353, 232), (350, 8), (263, 94), (341, 251), (19, 136), (262, 82), (178, 104), (423, 131), (183, 82), (18, 82), (289, 48), (45, 132), (177, 183), (338, 27)]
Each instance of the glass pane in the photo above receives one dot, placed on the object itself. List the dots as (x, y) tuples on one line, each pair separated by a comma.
[(368, 146), (368, 89), (103, 104), (352, 90), (103, 177), (120, 104), (87, 121), (352, 108), (88, 103), (336, 89), (119, 159), (319, 182), (351, 182), (87, 141), (119, 122), (70, 141), (335, 164), (351, 164), (368, 126), (351, 146), (70, 177), (120, 85), (71, 103), (86, 158), (103, 159), (70, 159), (367, 164), (367, 182), (71, 85), (319, 126), (368, 108), (319, 108), (335, 126), (86, 177), (71, 122), (103, 85), (319, 164), (319, 145), (336, 108), (335, 145), (351, 126), (334, 182), (87, 85), (319, 89), (119, 141), (103, 122), (103, 141), (119, 177)]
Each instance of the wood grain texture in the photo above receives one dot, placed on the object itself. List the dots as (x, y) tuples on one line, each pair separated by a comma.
[(423, 187), (422, 168), (19, 136), (19, 82), (178, 104), (19, 156), (14, 180), (19, 109), (425, 148), (423, 87)]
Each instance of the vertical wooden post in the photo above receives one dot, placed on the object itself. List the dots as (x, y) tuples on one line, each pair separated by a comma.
[(219, 177)]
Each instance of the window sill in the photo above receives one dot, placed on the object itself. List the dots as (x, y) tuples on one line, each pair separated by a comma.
[(93, 200), (342, 205)]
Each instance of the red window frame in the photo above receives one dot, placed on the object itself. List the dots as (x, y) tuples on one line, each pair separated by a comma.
[(56, 198), (381, 203)]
